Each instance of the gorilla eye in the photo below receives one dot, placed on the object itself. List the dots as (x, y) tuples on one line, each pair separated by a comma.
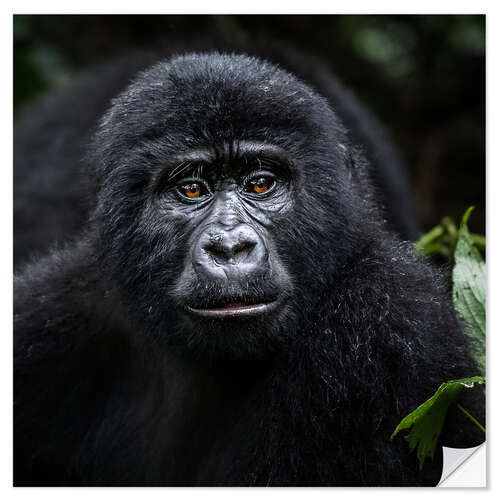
[(260, 185), (193, 190)]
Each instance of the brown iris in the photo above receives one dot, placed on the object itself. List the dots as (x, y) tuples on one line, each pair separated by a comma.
[(260, 185), (192, 191)]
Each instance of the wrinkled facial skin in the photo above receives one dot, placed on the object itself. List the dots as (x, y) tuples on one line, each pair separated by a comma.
[(220, 178), (227, 207)]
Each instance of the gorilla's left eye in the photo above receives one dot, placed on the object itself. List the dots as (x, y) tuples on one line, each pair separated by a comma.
[(260, 185)]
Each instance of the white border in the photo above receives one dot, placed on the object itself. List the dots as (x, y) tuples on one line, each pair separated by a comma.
[(256, 7)]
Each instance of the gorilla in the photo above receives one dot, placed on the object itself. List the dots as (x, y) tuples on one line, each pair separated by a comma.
[(219, 298)]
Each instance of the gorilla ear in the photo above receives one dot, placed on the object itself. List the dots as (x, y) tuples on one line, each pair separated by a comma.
[(358, 166), (355, 157), (384, 184), (362, 178)]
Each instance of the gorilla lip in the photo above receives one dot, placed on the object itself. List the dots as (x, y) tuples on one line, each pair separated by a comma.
[(233, 310)]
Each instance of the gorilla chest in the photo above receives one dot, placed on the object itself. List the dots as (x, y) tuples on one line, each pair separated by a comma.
[(190, 434)]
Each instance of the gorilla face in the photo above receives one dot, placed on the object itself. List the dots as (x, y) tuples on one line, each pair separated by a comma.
[(232, 269), (224, 197)]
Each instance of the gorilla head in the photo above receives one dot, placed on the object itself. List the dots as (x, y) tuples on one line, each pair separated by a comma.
[(227, 203)]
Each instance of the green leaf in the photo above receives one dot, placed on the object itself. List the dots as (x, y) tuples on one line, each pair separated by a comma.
[(426, 422), (479, 241), (428, 238), (469, 290)]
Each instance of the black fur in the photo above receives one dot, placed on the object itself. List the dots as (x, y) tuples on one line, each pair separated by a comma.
[(115, 384)]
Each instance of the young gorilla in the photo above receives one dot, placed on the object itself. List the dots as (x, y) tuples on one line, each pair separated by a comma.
[(235, 312)]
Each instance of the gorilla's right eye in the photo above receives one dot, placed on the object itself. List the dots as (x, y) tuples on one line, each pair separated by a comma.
[(193, 190)]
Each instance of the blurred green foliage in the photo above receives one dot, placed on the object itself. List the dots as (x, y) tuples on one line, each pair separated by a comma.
[(443, 240), (37, 66), (28, 78), (390, 43)]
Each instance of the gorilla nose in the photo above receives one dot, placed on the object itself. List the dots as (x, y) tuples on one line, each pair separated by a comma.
[(238, 251), (226, 249)]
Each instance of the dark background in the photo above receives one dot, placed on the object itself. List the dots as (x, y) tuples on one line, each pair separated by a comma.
[(422, 76)]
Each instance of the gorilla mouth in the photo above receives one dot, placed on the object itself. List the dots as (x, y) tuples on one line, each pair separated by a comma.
[(234, 310)]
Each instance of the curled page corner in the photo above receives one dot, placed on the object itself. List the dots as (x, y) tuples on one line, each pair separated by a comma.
[(464, 467)]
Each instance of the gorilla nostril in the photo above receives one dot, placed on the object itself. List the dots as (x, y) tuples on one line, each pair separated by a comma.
[(243, 249), (217, 251), (224, 251)]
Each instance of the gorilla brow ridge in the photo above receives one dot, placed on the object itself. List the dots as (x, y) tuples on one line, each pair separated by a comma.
[(262, 152)]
